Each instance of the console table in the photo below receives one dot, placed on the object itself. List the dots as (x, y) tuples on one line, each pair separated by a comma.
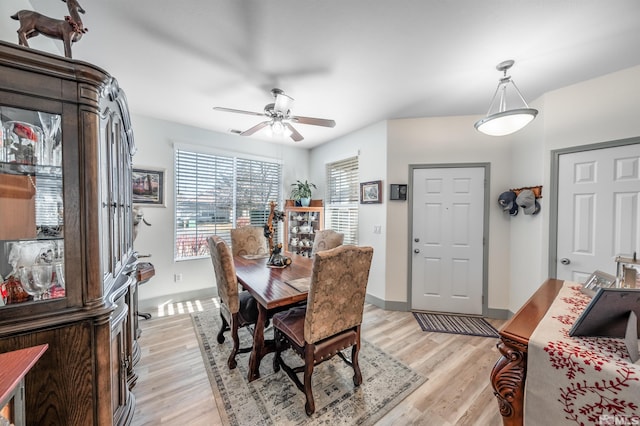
[(15, 365), (145, 271), (510, 372), (571, 379)]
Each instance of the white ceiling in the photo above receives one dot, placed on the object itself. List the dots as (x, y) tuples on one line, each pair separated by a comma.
[(355, 61)]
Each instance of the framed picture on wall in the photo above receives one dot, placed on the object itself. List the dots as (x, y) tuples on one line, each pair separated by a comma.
[(371, 192), (148, 187)]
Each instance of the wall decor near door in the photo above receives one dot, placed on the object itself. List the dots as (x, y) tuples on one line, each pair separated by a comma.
[(398, 192), (148, 187), (526, 198), (371, 192)]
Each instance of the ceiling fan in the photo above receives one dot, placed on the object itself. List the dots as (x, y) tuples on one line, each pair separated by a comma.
[(279, 117)]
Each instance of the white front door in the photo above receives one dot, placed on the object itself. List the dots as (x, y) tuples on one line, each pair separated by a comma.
[(598, 210), (447, 240)]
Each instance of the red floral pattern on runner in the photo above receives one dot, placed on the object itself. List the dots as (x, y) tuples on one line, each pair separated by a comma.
[(597, 371)]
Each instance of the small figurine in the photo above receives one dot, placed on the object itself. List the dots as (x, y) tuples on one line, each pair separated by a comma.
[(69, 30), (277, 259)]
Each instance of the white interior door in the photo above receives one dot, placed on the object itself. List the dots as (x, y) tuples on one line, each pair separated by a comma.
[(447, 250), (598, 210)]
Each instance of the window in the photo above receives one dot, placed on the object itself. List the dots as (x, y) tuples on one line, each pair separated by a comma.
[(342, 198), (215, 193)]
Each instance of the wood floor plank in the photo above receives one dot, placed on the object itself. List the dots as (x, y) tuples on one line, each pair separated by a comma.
[(173, 387)]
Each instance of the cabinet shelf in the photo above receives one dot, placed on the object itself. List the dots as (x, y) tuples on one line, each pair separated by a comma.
[(30, 169), (301, 224)]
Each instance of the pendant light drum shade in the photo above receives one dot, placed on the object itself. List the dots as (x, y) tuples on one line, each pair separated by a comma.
[(501, 120)]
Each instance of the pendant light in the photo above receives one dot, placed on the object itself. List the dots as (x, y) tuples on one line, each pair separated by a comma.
[(500, 120)]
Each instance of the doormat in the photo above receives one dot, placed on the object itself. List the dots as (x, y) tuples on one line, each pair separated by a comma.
[(455, 324), (274, 399)]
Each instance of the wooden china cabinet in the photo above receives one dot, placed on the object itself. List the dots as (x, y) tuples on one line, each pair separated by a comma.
[(66, 261), (300, 226)]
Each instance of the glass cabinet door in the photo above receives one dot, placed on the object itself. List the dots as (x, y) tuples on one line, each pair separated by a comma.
[(303, 224), (31, 207)]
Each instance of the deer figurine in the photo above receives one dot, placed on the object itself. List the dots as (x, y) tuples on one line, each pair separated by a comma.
[(69, 30)]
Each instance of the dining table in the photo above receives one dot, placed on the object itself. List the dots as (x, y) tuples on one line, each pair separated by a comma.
[(275, 289)]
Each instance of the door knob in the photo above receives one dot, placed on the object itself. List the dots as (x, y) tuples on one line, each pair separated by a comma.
[(565, 261), (416, 250)]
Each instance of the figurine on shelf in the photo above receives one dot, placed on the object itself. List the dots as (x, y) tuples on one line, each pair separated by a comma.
[(69, 30), (21, 142)]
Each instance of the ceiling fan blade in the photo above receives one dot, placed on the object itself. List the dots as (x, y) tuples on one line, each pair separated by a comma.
[(255, 128), (239, 111), (314, 121), (295, 135)]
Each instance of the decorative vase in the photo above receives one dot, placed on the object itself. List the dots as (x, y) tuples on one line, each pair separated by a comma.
[(304, 202)]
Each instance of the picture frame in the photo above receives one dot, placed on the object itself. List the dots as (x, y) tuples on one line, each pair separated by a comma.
[(596, 281), (371, 192), (607, 315), (148, 187), (398, 192)]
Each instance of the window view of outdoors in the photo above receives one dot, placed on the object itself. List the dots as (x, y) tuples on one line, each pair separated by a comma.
[(216, 193)]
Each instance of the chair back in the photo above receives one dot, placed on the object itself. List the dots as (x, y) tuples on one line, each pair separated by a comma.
[(338, 288), (225, 271), (326, 239), (248, 240)]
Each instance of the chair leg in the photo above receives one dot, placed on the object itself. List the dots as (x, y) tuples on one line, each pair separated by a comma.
[(276, 356), (224, 327), (310, 406), (236, 342), (357, 375)]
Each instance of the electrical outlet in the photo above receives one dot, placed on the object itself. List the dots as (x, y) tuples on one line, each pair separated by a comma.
[(177, 277), (377, 229)]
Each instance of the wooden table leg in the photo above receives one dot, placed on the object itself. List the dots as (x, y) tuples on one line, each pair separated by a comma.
[(507, 378), (258, 351)]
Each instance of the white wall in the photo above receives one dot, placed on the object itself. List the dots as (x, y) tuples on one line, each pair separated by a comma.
[(371, 145), (154, 140), (528, 266), (598, 110), (438, 141), (9, 27)]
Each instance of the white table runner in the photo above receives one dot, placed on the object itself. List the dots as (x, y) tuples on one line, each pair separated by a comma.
[(578, 380)]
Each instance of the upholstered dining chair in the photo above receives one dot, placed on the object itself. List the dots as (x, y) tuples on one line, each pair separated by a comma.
[(326, 239), (248, 240), (330, 322), (237, 308)]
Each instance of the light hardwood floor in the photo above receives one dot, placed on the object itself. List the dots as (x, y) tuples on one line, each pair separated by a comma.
[(173, 387)]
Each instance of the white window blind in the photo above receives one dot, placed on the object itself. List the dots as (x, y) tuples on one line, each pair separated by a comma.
[(342, 198), (49, 208), (215, 193)]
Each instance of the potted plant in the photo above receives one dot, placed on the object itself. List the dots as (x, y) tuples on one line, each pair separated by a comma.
[(301, 192)]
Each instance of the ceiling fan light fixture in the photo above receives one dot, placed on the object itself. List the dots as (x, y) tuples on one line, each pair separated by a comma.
[(283, 103), (277, 128), (278, 118), (500, 120)]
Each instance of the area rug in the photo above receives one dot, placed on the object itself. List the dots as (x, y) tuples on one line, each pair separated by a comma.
[(274, 399), (455, 324)]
